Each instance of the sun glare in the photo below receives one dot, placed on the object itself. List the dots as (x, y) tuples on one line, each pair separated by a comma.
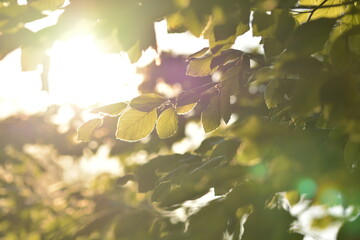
[(83, 75)]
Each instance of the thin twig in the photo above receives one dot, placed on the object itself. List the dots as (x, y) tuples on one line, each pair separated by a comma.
[(314, 10)]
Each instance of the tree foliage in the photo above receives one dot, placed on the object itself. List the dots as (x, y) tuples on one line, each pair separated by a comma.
[(296, 140)]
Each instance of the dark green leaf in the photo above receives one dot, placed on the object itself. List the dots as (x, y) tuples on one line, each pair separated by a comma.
[(311, 36), (211, 116), (274, 93), (227, 149), (230, 85), (208, 144), (147, 173)]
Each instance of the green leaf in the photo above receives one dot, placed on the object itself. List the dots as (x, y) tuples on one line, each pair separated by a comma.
[(311, 36), (192, 96), (161, 192), (147, 102), (200, 67), (167, 123), (211, 163), (185, 109), (146, 173), (211, 117), (114, 109), (272, 47), (263, 24), (230, 85), (86, 130), (274, 93), (199, 53), (226, 149), (225, 57), (330, 12), (133, 125), (208, 144)]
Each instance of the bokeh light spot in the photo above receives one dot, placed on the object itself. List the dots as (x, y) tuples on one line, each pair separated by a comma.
[(259, 170), (308, 187), (330, 197)]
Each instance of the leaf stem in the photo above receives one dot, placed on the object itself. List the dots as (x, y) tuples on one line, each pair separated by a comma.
[(316, 8)]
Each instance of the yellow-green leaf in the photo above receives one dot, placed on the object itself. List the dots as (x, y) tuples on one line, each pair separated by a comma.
[(134, 125), (185, 109), (199, 54), (211, 117), (330, 12), (114, 109), (147, 102), (167, 123), (86, 130), (200, 67)]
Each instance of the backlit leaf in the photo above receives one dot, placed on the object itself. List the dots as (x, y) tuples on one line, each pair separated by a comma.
[(200, 67), (86, 130), (199, 54), (114, 109), (167, 123), (211, 117), (147, 102), (185, 109), (134, 125), (331, 12)]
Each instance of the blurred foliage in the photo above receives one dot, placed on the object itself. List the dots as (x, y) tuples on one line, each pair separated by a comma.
[(294, 134)]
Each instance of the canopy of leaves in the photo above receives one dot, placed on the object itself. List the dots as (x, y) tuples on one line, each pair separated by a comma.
[(292, 115)]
